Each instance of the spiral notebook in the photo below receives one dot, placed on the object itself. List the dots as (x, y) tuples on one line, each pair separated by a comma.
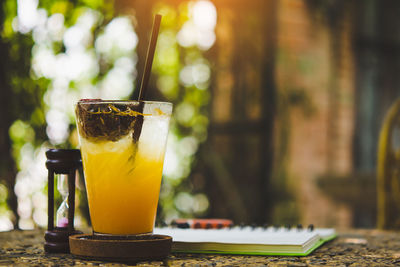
[(248, 241)]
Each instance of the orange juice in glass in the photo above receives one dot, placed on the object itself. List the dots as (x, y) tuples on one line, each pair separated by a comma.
[(122, 145)]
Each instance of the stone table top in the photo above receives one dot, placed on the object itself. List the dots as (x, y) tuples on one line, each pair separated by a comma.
[(350, 248)]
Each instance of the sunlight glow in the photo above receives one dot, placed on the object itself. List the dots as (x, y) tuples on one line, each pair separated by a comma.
[(55, 26), (187, 36), (5, 223), (75, 37), (117, 39), (57, 126), (196, 74), (199, 30), (185, 112), (191, 203), (43, 62), (79, 36), (76, 65), (119, 82), (172, 169), (28, 15), (30, 182), (204, 15)]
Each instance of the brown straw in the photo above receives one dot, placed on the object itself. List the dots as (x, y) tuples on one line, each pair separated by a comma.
[(149, 57), (146, 76)]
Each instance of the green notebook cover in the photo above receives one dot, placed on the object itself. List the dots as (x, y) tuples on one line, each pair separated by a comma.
[(248, 241)]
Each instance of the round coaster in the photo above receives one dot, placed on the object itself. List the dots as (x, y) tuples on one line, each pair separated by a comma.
[(121, 248)]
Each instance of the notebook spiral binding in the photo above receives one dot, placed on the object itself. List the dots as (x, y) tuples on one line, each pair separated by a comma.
[(228, 224)]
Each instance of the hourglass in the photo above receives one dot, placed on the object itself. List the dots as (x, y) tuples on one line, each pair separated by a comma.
[(62, 165), (62, 212)]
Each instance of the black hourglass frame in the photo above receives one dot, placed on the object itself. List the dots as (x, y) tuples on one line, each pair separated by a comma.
[(61, 161)]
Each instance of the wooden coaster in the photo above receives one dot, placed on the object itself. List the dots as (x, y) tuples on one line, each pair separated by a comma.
[(121, 248)]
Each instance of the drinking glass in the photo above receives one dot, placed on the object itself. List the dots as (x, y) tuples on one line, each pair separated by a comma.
[(122, 145)]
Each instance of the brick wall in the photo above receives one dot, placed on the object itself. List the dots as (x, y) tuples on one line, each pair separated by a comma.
[(320, 140)]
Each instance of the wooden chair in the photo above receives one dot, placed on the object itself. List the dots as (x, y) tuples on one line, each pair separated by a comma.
[(388, 171)]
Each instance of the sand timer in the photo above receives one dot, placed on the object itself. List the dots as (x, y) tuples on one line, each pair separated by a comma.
[(62, 165), (62, 212)]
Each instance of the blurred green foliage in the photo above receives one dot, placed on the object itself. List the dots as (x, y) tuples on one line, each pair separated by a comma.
[(190, 121), (182, 77), (28, 90)]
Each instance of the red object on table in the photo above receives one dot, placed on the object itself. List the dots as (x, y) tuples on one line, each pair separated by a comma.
[(203, 223)]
